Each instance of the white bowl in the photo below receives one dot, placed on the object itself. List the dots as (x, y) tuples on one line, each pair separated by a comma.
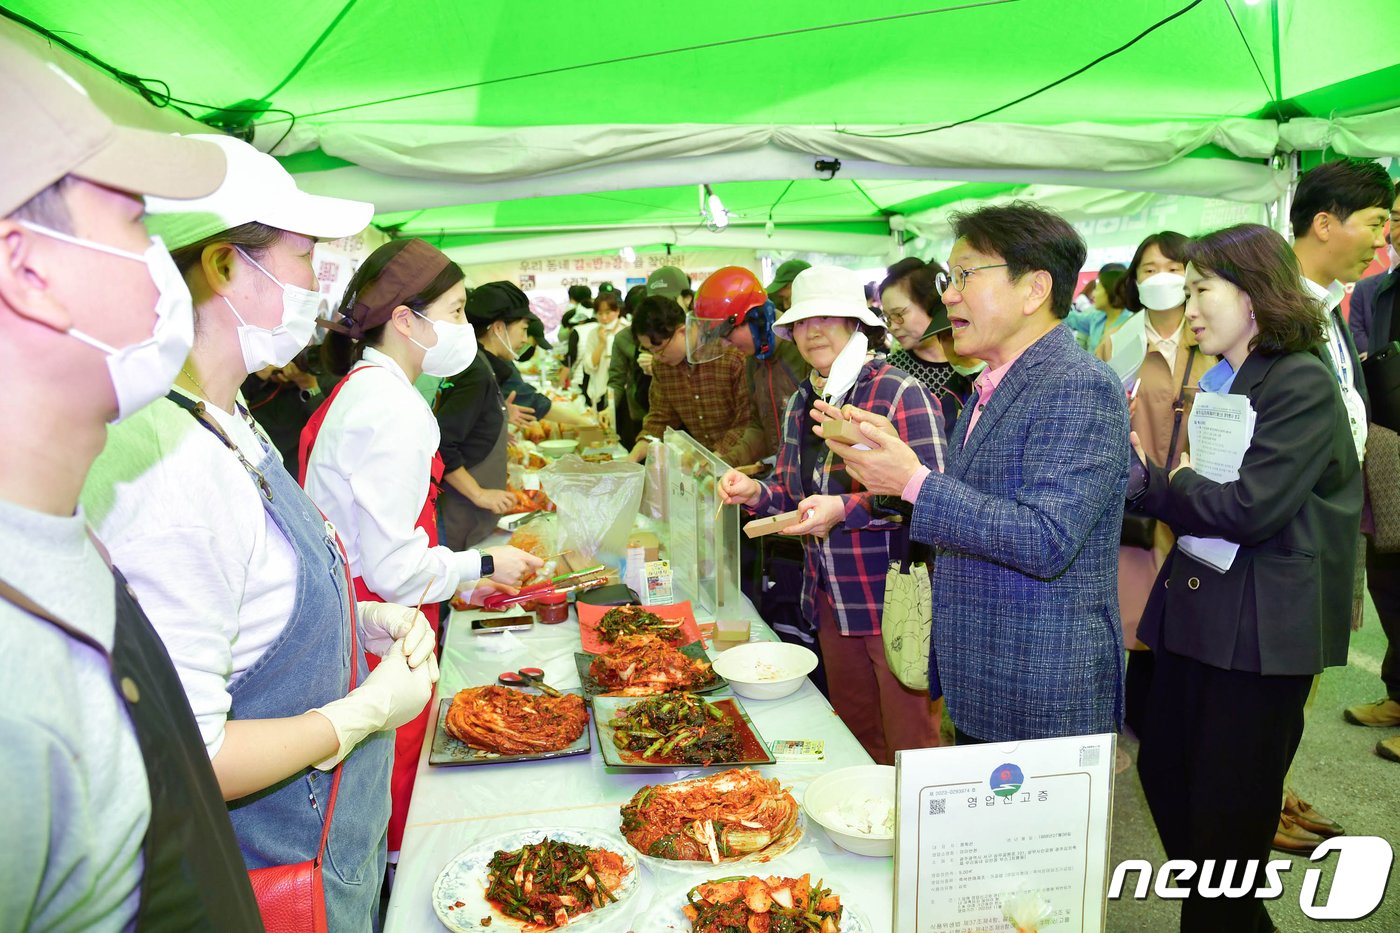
[(765, 670), (558, 447), (826, 793)]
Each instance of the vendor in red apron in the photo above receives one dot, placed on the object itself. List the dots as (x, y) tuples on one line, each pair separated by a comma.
[(370, 454), (240, 574)]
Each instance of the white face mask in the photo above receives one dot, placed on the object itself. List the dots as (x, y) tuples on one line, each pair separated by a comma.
[(503, 337), (1163, 291), (144, 371), (280, 345), (454, 351)]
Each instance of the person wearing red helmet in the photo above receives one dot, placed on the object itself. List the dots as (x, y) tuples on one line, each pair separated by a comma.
[(729, 299)]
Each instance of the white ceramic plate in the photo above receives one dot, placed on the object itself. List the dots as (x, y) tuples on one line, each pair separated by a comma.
[(464, 879), (756, 864), (672, 920)]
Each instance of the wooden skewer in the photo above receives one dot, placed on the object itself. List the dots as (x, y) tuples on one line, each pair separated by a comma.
[(419, 607)]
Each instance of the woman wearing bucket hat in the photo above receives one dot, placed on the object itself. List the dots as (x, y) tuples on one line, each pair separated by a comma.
[(919, 322), (847, 533), (236, 568), (370, 454)]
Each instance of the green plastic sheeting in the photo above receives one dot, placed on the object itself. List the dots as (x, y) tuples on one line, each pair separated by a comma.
[(489, 122)]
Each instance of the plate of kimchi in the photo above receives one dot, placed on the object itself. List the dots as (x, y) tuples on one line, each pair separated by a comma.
[(494, 724), (535, 880), (646, 665), (599, 627), (770, 903), (732, 817)]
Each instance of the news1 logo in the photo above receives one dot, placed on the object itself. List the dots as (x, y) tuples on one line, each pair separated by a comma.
[(1358, 882)]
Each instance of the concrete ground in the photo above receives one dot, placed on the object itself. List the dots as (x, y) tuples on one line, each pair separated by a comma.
[(1336, 770)]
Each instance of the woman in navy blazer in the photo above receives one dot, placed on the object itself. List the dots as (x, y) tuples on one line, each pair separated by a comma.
[(1237, 649)]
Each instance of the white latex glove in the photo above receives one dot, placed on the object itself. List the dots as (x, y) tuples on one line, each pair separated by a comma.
[(382, 624), (391, 695), (512, 564)]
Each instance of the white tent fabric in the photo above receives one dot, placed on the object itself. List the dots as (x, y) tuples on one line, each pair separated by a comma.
[(1114, 155)]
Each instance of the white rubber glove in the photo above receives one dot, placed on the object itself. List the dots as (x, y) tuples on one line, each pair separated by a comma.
[(391, 695), (382, 624)]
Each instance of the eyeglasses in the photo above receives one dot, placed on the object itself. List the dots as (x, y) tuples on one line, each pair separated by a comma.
[(897, 317), (958, 279), (652, 347)]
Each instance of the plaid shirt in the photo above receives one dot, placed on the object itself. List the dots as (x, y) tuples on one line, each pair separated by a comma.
[(709, 401), (850, 563)]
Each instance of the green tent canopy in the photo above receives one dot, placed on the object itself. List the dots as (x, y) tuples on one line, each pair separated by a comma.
[(532, 128)]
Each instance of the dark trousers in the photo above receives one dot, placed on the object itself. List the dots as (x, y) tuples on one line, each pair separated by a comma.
[(962, 738), (1383, 582), (1213, 759)]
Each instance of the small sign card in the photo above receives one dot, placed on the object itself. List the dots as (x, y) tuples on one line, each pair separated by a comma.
[(988, 831)]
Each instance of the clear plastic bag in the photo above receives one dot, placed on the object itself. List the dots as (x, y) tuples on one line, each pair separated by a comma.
[(654, 493), (596, 504)]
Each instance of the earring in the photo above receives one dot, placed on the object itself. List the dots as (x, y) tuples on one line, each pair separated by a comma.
[(1251, 315)]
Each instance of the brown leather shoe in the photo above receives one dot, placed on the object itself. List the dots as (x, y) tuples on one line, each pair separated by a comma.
[(1294, 839), (1383, 712), (1389, 748), (1305, 816)]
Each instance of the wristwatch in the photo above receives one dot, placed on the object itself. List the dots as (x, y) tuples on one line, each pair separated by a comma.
[(488, 565)]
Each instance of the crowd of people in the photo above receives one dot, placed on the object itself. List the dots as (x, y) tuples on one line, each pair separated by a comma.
[(220, 646)]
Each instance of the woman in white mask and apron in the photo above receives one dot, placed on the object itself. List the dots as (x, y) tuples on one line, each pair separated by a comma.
[(239, 573), (1156, 352), (370, 454)]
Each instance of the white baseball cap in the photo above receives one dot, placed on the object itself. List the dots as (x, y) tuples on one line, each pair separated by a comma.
[(257, 188), (826, 291)]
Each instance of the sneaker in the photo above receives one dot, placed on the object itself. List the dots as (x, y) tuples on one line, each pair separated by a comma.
[(1383, 712)]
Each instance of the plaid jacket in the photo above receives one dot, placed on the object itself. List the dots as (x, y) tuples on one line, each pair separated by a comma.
[(709, 401), (1027, 521), (850, 563)]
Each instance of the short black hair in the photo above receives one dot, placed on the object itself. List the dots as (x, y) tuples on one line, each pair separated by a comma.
[(1030, 239), (687, 293), (581, 294), (1339, 188), (657, 318)]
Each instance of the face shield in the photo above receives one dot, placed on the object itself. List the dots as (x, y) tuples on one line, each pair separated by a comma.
[(704, 338)]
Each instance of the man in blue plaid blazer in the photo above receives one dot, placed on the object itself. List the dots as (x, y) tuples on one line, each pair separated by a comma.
[(1027, 517)]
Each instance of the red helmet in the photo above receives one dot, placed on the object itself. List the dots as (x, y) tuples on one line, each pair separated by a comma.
[(728, 295)]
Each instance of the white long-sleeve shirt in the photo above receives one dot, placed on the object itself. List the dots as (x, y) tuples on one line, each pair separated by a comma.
[(369, 472), (185, 523), (597, 375)]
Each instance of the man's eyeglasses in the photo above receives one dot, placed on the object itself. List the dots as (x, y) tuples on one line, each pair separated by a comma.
[(654, 348), (958, 277)]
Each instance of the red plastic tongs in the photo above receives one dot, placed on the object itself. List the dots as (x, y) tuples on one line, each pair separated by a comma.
[(497, 601)]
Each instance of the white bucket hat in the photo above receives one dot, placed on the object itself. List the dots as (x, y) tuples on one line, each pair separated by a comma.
[(826, 291), (256, 188)]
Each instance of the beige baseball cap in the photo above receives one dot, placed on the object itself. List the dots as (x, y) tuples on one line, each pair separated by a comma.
[(52, 129)]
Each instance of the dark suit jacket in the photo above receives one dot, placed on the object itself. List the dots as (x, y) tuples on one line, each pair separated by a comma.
[(1026, 520), (1371, 294), (1284, 606)]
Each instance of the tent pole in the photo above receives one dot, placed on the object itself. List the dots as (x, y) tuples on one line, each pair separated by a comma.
[(1280, 209)]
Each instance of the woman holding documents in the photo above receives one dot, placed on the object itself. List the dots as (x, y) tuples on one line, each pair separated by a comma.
[(846, 535), (1156, 352), (1254, 598)]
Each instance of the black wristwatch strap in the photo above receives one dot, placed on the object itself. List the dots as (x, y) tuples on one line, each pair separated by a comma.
[(488, 565)]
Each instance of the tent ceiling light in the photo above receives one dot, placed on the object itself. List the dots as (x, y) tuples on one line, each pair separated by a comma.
[(712, 209), (627, 254)]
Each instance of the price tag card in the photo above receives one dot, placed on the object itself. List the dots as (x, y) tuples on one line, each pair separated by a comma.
[(1023, 825)]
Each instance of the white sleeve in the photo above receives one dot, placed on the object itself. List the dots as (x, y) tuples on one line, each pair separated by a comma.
[(189, 590), (386, 459)]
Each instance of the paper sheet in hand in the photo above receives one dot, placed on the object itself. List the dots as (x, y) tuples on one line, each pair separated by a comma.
[(1129, 348), (1220, 430)]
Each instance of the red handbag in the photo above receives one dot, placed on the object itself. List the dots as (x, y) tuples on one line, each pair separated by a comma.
[(292, 898)]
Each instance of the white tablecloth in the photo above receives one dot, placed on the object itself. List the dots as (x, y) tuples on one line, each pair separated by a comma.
[(456, 807)]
